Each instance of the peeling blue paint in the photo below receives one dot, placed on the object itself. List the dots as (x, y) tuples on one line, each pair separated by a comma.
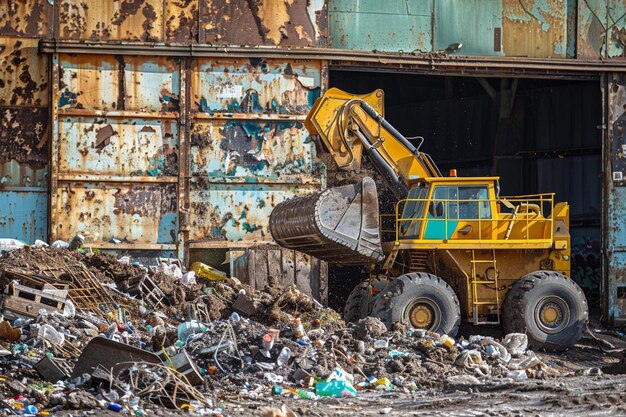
[(24, 215), (168, 228)]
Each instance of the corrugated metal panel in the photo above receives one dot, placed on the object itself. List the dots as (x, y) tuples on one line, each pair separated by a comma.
[(23, 128), (117, 150), (145, 84), (133, 213), (477, 24), (236, 212), (136, 20), (255, 86), (252, 151), (24, 214), (535, 28), (616, 227), (594, 17), (395, 25), (115, 146), (264, 22), (31, 18), (247, 128)]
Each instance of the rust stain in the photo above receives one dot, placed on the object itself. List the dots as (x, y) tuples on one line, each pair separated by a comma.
[(535, 28), (146, 201), (26, 18), (130, 213), (23, 136), (23, 73), (181, 21), (263, 22), (134, 20), (146, 84)]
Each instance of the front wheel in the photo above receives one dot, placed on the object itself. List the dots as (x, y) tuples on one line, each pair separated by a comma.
[(422, 301), (549, 307), (360, 299)]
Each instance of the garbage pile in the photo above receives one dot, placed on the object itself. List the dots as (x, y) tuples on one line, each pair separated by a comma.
[(85, 330)]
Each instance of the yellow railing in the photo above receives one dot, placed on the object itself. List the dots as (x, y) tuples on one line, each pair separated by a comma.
[(518, 218)]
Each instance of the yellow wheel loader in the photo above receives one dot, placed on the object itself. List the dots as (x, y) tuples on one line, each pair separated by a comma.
[(454, 248)]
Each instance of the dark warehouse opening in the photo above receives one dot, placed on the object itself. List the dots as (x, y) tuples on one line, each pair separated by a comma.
[(537, 135)]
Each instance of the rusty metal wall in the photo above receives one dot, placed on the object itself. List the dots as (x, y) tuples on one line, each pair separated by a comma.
[(248, 147), (536, 28), (116, 159), (235, 22), (615, 227), (601, 31), (24, 119)]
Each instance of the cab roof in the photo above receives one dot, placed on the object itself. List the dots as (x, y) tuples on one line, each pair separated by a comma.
[(457, 179)]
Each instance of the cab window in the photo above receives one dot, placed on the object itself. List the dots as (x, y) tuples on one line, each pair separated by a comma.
[(460, 202)]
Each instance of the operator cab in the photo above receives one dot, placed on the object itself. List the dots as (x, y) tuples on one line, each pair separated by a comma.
[(449, 208)]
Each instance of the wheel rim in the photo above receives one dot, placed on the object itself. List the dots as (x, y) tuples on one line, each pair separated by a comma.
[(552, 314), (423, 313)]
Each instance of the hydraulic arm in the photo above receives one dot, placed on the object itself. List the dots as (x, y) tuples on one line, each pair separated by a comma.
[(350, 125), (341, 225)]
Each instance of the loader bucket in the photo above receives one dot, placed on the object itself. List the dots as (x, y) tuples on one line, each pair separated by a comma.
[(338, 225)]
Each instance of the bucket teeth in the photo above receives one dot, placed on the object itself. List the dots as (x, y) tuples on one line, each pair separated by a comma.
[(338, 225)]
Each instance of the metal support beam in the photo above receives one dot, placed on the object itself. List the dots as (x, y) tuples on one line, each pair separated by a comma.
[(441, 64)]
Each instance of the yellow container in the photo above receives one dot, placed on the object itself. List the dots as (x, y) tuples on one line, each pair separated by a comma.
[(207, 272)]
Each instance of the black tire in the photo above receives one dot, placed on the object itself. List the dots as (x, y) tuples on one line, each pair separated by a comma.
[(525, 307), (420, 291), (358, 304)]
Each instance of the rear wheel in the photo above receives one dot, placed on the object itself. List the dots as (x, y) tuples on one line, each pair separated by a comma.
[(549, 307), (422, 301), (359, 301)]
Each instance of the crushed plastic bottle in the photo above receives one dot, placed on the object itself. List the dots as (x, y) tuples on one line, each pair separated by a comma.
[(283, 357), (381, 344)]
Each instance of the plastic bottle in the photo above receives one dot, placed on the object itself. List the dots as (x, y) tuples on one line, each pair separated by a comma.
[(297, 328), (336, 388), (283, 357), (302, 393), (268, 342)]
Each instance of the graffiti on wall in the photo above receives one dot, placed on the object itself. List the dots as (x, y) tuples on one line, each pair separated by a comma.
[(586, 263)]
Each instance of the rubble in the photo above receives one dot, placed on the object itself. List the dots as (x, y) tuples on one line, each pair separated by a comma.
[(138, 338)]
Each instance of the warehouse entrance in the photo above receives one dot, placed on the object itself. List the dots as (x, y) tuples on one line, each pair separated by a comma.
[(538, 135)]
